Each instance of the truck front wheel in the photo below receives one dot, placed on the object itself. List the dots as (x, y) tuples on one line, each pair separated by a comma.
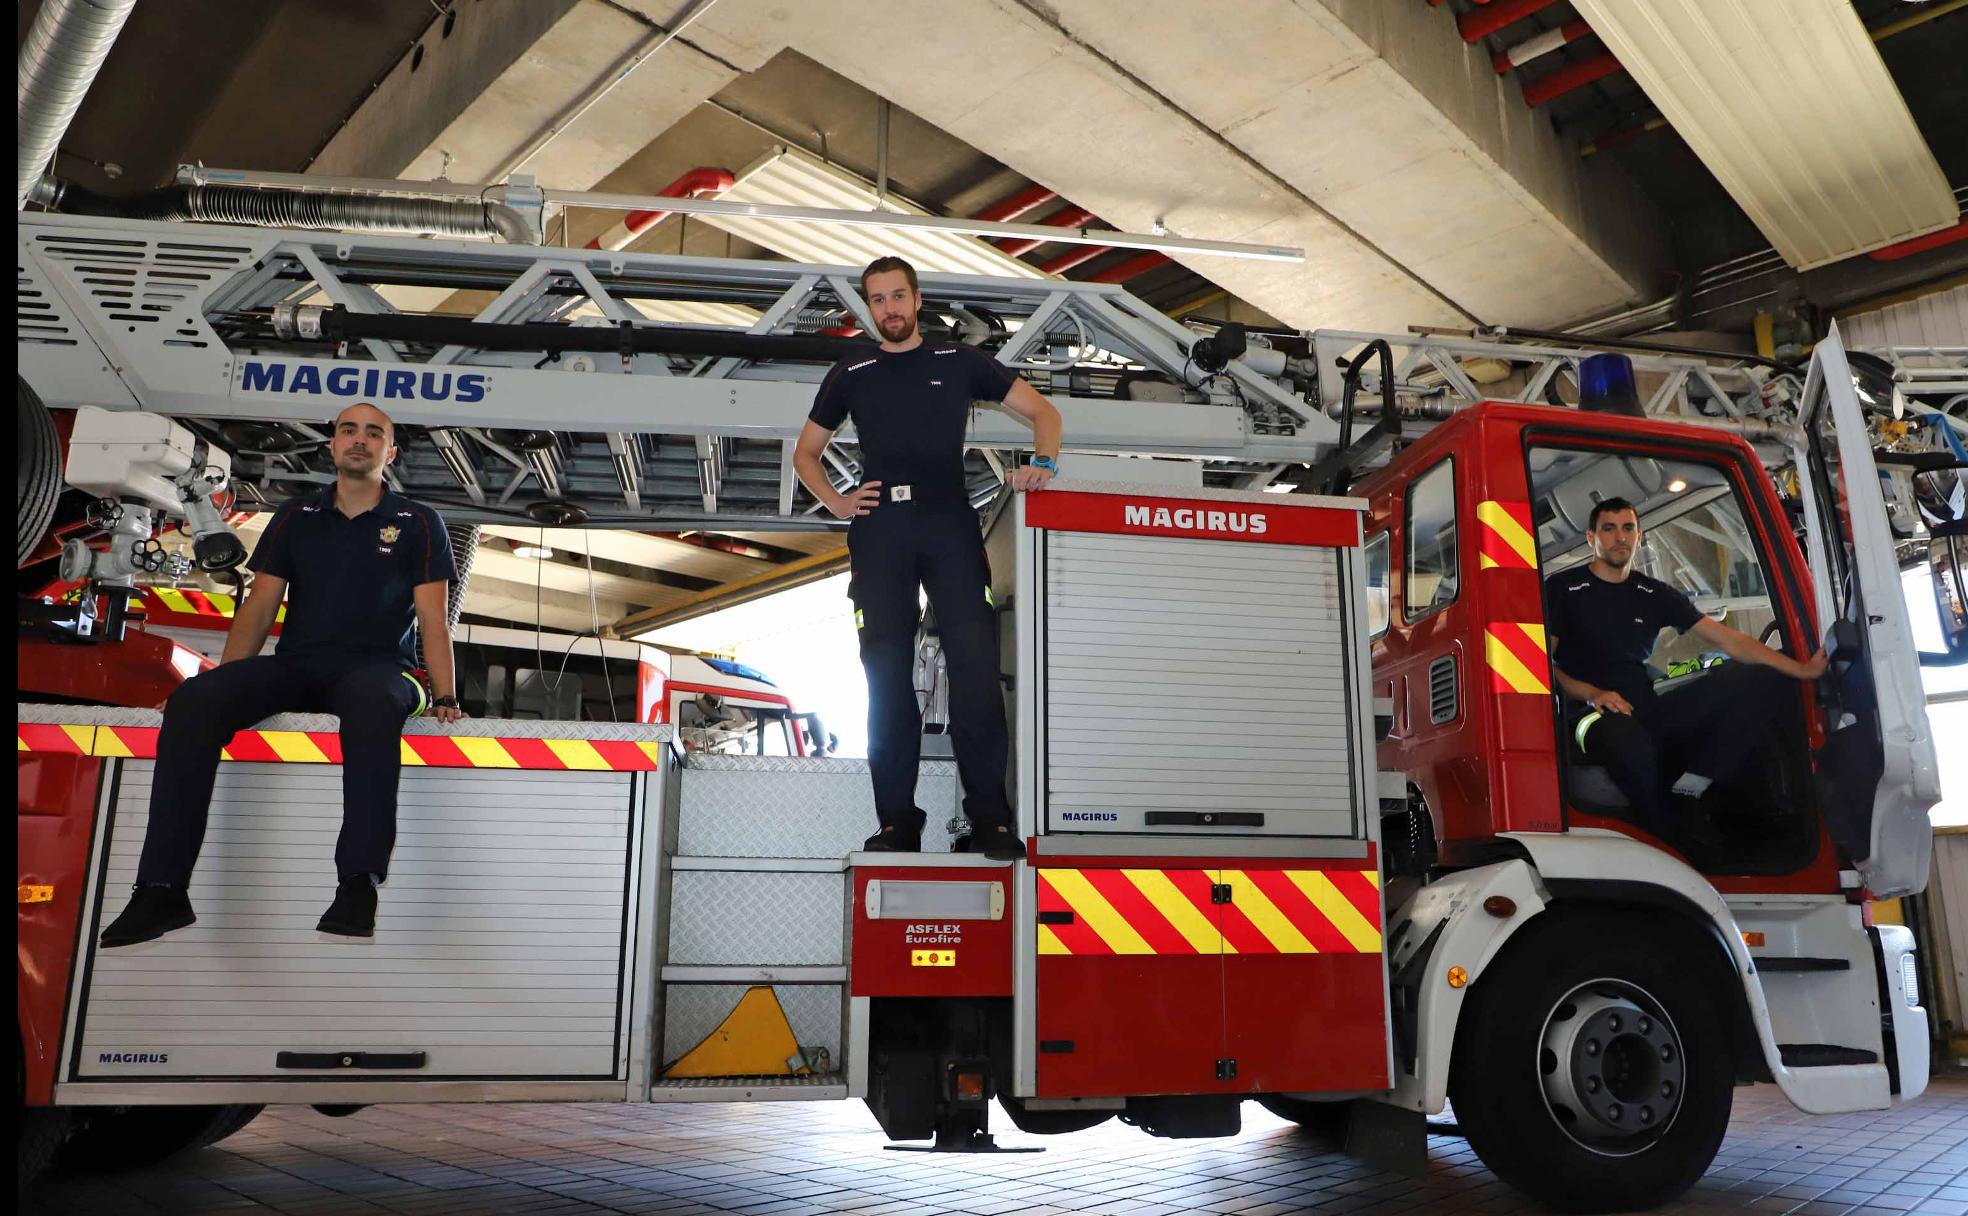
[(1593, 1066)]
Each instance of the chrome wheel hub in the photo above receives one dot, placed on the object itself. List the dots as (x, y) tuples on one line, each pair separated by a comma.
[(1612, 1067)]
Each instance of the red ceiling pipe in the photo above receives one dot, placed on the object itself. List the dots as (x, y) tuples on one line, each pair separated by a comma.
[(1920, 244), (1018, 204), (1078, 255), (702, 182), (1543, 44), (1071, 217), (1571, 76), (1478, 24), (1121, 272)]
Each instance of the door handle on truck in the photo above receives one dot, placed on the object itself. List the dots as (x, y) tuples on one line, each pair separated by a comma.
[(391, 1060), (1204, 819)]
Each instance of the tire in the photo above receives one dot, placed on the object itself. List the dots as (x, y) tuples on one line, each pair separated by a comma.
[(38, 1135), (38, 477), (1592, 1013), (126, 1136), (1326, 1120)]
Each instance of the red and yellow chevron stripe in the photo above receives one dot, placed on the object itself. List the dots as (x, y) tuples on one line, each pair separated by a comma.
[(202, 603), (1505, 540), (1105, 911), (1516, 654), (325, 747)]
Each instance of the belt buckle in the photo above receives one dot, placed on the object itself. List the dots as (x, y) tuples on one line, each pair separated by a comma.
[(901, 493)]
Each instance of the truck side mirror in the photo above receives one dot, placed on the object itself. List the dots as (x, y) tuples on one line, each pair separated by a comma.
[(1947, 556)]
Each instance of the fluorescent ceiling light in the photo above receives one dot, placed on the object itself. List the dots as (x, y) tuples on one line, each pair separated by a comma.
[(534, 552), (1791, 108), (791, 178), (1281, 487)]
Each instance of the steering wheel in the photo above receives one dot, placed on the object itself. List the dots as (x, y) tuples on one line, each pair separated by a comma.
[(1769, 631)]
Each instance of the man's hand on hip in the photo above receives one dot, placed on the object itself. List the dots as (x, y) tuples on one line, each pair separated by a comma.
[(1030, 477), (861, 500)]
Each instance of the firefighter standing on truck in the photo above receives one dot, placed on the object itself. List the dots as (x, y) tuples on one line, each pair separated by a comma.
[(912, 525), (362, 568)]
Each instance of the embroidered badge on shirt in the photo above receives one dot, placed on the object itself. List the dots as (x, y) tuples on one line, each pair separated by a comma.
[(389, 534)]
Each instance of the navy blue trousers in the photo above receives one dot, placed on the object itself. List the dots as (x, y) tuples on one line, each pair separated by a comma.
[(894, 550), (372, 697)]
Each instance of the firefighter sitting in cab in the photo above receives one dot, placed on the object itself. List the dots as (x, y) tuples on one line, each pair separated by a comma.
[(1603, 619), (363, 569)]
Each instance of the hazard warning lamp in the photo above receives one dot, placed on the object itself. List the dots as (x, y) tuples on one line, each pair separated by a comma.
[(1606, 385)]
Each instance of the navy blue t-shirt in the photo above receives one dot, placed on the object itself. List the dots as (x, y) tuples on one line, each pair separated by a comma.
[(1606, 631), (910, 409), (350, 581)]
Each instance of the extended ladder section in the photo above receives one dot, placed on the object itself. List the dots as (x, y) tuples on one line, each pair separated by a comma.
[(615, 388)]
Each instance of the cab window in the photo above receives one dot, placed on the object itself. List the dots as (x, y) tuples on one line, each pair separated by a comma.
[(1431, 575), (510, 682), (1695, 537)]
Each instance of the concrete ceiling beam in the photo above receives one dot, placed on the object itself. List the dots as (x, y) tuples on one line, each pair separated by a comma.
[(512, 604), (1381, 117), (637, 549), (1008, 81), (563, 576), (466, 106)]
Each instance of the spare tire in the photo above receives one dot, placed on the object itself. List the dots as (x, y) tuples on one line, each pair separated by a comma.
[(37, 456)]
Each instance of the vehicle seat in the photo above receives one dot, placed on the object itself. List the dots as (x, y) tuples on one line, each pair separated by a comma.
[(1591, 788)]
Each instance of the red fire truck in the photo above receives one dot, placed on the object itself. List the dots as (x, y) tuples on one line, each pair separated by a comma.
[(1349, 873)]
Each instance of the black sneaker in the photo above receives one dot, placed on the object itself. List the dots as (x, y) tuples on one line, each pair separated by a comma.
[(997, 842), (155, 909), (353, 914), (893, 840)]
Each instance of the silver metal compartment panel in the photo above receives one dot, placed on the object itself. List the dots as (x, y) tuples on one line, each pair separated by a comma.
[(500, 938), (1195, 675), (788, 806), (756, 918)]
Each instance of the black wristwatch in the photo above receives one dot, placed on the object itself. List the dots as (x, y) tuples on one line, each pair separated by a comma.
[(444, 703)]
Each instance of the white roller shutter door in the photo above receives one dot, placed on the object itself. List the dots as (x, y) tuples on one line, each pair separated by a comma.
[(1195, 676)]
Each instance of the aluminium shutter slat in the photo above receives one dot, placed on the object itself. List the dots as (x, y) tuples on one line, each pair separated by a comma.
[(1158, 650)]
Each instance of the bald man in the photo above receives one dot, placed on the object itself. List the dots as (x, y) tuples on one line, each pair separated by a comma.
[(362, 570)]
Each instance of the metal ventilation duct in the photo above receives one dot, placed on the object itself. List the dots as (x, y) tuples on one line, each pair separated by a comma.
[(64, 50)]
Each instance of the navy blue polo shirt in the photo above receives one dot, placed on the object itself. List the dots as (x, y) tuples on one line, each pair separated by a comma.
[(910, 410), (350, 581), (1606, 631)]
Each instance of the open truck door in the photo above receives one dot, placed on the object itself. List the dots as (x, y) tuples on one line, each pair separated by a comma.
[(1877, 772)]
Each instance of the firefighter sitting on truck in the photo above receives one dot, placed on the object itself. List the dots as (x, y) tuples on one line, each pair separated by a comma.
[(1603, 619), (362, 568), (912, 525)]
